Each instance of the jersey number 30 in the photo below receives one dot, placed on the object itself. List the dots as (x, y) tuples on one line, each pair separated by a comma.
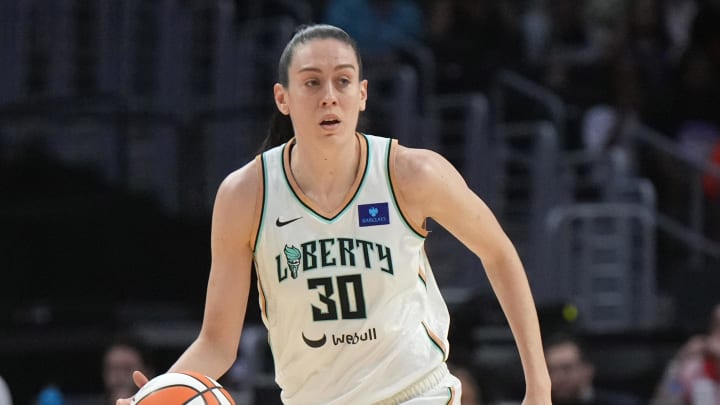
[(350, 292)]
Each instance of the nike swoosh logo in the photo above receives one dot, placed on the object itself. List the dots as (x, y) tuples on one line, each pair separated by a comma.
[(314, 343), (280, 223)]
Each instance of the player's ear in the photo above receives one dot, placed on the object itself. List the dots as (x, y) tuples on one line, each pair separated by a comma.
[(363, 94), (281, 99)]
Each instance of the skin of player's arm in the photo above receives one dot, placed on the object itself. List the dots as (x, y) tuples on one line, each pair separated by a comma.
[(215, 349), (433, 188)]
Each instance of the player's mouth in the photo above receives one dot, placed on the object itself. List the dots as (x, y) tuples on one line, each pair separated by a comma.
[(330, 123)]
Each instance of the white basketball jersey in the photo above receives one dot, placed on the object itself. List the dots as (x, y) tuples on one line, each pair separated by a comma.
[(353, 312)]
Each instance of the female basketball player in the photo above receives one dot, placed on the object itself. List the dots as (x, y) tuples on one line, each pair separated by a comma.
[(334, 221)]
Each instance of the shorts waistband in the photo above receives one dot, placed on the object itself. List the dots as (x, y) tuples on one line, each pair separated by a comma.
[(419, 387)]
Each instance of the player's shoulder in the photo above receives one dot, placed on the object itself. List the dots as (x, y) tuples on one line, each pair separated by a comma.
[(247, 175), (415, 164), (422, 175), (241, 184)]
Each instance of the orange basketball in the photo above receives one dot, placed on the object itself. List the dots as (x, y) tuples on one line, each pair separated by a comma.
[(182, 388)]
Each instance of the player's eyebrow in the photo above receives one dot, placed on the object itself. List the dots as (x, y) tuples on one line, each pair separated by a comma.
[(338, 67)]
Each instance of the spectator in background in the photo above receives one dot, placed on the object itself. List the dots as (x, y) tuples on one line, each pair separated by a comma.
[(711, 184), (678, 18), (698, 75), (695, 370), (560, 34), (711, 187), (693, 115), (119, 361), (647, 46), (380, 27), (471, 40), (571, 48), (572, 375), (5, 398), (640, 72), (604, 127)]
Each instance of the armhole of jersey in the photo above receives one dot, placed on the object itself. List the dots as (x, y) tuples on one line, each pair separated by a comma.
[(436, 340), (259, 201), (261, 293), (453, 394), (399, 200)]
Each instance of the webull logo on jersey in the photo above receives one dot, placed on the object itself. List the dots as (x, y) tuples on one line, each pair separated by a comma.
[(342, 339), (333, 253), (373, 214)]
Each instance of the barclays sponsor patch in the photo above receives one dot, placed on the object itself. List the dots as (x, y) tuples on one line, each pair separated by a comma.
[(373, 214)]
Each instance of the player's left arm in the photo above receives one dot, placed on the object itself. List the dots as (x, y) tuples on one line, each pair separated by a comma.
[(433, 188)]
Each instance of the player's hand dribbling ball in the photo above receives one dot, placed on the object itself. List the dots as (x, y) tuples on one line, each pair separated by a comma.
[(182, 388)]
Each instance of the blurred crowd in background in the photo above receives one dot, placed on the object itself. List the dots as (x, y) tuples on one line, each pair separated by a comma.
[(119, 118)]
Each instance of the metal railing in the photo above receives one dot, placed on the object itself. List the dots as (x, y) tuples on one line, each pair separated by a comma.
[(509, 82), (458, 125), (691, 234), (603, 256), (613, 185), (529, 184), (393, 111)]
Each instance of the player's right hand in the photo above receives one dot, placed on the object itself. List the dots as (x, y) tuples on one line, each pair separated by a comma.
[(140, 379)]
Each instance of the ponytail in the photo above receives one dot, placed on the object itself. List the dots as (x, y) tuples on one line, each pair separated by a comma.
[(279, 131)]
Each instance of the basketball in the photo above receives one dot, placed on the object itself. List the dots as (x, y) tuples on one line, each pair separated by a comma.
[(182, 388)]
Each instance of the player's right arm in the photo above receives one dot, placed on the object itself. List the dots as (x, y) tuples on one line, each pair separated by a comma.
[(233, 222)]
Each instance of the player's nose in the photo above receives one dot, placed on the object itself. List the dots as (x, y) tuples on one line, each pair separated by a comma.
[(329, 95)]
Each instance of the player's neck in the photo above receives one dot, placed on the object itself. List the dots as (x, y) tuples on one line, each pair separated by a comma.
[(325, 173)]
